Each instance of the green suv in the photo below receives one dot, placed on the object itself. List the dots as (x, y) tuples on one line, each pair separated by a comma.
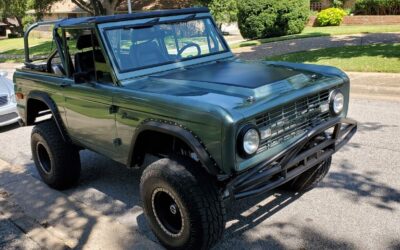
[(162, 91)]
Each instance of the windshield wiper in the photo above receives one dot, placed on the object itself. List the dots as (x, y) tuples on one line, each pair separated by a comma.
[(185, 19), (148, 24)]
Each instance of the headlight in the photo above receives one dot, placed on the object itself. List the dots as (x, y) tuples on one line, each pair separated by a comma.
[(336, 102), (248, 141)]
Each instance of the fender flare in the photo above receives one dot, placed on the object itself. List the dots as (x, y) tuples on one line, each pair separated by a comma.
[(46, 99), (181, 133)]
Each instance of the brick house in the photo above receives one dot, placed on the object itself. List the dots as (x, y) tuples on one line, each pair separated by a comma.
[(324, 4), (67, 9), (61, 10)]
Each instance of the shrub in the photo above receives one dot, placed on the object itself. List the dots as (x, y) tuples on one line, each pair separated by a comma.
[(13, 35), (269, 18), (27, 21), (224, 11), (331, 17), (377, 7)]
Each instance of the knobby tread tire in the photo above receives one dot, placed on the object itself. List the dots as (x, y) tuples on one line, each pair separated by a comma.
[(64, 157), (198, 193)]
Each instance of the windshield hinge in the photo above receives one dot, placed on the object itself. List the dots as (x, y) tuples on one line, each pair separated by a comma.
[(113, 109)]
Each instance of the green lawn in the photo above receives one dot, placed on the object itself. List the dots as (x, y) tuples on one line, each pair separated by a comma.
[(16, 45), (370, 58), (325, 31), (38, 47)]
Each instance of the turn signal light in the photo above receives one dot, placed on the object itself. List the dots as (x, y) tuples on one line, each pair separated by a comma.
[(19, 96)]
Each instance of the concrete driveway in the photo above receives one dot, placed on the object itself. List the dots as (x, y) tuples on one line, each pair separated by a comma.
[(356, 207)]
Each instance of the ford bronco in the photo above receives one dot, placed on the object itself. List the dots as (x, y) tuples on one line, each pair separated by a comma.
[(165, 86)]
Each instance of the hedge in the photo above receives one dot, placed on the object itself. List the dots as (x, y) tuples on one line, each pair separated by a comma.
[(377, 7), (271, 18)]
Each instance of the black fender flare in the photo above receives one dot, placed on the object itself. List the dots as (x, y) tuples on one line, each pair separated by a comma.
[(46, 99), (181, 133)]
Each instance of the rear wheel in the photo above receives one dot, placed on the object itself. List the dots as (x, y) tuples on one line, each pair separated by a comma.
[(182, 204), (309, 179), (57, 161)]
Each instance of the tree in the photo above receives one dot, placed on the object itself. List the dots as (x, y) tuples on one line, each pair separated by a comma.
[(271, 18), (224, 11), (93, 7), (14, 9)]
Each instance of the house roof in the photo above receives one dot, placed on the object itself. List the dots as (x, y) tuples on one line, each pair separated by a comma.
[(123, 17)]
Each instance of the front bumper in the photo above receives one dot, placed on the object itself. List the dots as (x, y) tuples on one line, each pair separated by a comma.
[(8, 114), (308, 151)]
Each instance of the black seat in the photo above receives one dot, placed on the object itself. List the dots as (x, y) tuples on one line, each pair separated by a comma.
[(84, 61), (147, 53), (145, 49)]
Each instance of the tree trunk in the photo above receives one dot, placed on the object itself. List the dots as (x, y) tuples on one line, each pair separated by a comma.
[(109, 6), (20, 27), (98, 7)]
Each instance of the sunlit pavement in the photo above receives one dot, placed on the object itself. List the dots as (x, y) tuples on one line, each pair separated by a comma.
[(356, 207)]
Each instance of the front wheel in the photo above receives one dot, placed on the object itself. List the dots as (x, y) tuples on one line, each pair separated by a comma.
[(57, 161), (309, 179), (182, 204)]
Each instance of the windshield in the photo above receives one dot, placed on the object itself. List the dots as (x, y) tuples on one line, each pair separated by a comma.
[(137, 47)]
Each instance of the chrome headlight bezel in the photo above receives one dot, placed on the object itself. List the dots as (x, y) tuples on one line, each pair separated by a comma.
[(336, 102), (250, 131)]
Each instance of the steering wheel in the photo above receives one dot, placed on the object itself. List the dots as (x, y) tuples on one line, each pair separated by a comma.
[(188, 45)]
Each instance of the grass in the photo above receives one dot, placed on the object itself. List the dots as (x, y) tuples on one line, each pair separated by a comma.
[(15, 47), (325, 31), (369, 58)]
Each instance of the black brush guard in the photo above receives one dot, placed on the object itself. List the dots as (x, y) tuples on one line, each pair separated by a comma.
[(311, 149)]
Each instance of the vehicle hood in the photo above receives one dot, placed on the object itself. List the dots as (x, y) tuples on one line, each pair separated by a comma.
[(232, 85), (6, 86)]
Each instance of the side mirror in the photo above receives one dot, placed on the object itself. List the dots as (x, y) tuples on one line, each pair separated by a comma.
[(81, 77)]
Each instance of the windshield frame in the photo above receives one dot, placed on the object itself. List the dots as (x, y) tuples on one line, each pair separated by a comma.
[(170, 65)]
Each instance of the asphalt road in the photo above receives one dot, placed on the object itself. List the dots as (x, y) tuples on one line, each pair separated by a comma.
[(357, 206)]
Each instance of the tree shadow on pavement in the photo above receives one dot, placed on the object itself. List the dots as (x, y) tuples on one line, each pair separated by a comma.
[(394, 245), (71, 221), (346, 45), (262, 208), (362, 187), (366, 127), (286, 235)]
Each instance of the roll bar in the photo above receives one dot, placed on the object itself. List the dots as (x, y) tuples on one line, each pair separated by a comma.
[(26, 36)]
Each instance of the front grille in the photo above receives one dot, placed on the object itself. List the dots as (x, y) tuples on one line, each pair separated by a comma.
[(3, 100), (7, 117), (293, 119)]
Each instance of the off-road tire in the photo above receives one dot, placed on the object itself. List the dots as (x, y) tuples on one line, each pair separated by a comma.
[(57, 161), (197, 198), (309, 179)]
